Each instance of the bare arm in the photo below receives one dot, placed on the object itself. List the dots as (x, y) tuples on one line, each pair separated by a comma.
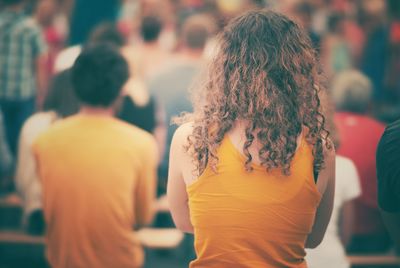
[(42, 80), (347, 222), (326, 186), (160, 131), (176, 188), (145, 188)]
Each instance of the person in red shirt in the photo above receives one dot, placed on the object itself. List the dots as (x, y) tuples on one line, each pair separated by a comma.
[(359, 135)]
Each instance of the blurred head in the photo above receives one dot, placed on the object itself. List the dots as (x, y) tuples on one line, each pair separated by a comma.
[(45, 12), (107, 33), (98, 75), (264, 74), (150, 28), (61, 96), (303, 12), (351, 91), (335, 23), (196, 31)]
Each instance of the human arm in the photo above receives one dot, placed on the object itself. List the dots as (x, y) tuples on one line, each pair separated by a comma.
[(27, 178), (39, 52), (42, 80), (160, 131), (326, 186), (348, 183), (145, 188), (176, 188)]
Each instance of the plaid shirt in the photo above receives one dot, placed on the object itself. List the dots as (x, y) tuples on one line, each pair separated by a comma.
[(21, 42)]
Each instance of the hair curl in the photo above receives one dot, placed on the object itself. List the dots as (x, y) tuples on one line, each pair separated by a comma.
[(265, 73)]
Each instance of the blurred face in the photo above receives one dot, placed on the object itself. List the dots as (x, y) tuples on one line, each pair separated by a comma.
[(374, 7), (45, 11)]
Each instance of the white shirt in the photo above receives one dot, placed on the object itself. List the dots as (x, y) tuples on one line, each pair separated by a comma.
[(26, 179), (330, 253)]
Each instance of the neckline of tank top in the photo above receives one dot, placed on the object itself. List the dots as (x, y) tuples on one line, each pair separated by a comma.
[(227, 139)]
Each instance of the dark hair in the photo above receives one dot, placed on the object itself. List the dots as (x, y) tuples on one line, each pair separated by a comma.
[(107, 33), (304, 8), (61, 97), (265, 72), (334, 21), (150, 28), (99, 74), (196, 30)]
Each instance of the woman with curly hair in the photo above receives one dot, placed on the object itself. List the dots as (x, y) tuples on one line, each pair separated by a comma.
[(252, 169)]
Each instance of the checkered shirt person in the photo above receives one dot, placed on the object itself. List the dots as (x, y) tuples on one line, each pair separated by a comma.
[(21, 42)]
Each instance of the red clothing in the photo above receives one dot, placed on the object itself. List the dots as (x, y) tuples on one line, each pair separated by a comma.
[(359, 137)]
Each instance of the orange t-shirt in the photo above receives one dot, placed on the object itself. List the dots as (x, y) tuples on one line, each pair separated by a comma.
[(257, 219), (98, 177)]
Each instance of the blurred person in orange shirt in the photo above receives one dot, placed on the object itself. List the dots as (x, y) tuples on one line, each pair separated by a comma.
[(98, 173)]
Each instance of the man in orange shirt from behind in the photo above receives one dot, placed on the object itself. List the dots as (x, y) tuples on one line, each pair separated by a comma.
[(98, 173)]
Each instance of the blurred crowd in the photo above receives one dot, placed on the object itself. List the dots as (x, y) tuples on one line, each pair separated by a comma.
[(166, 44)]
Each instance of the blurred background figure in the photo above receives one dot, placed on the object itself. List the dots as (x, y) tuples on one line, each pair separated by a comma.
[(98, 173), (59, 103), (87, 14), (337, 55), (388, 180), (22, 68), (331, 253), (359, 135), (303, 12), (151, 55), (171, 86)]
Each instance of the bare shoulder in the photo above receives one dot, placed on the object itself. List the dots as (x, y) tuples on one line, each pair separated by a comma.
[(182, 133)]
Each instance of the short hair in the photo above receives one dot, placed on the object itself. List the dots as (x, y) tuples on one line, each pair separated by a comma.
[(99, 74), (107, 32), (61, 97), (304, 8), (334, 21), (150, 28), (351, 91), (196, 30)]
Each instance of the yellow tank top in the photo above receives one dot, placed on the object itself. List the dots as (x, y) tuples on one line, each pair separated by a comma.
[(253, 219)]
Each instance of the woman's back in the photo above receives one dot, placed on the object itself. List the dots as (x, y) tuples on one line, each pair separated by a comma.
[(242, 168), (255, 219)]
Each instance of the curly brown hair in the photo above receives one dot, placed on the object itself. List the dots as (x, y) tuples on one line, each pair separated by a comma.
[(265, 73)]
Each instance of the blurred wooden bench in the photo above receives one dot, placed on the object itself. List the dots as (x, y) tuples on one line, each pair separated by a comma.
[(153, 238), (15, 237), (11, 200), (160, 238), (384, 260)]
